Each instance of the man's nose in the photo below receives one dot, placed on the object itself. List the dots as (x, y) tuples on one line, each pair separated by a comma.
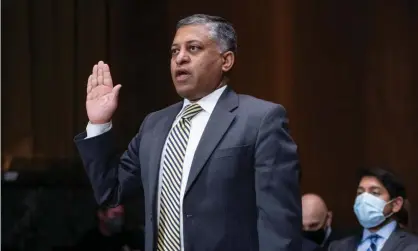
[(182, 57)]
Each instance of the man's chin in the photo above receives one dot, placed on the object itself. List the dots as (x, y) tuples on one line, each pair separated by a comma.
[(187, 92), (183, 89)]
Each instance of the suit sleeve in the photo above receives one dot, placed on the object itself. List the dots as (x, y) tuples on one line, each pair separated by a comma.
[(113, 177), (277, 185)]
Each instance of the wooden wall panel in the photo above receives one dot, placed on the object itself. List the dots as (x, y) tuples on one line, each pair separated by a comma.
[(345, 71)]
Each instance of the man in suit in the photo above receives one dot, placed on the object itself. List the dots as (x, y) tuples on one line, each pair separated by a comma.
[(219, 171), (317, 221), (308, 245), (380, 195)]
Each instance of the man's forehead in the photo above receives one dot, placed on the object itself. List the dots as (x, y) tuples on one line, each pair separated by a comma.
[(370, 181), (195, 32), (311, 214)]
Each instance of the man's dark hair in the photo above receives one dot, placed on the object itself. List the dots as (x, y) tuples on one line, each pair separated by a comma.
[(403, 216), (220, 29), (389, 180)]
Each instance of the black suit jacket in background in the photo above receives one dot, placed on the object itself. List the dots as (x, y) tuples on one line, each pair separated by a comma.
[(337, 234), (399, 240), (308, 245)]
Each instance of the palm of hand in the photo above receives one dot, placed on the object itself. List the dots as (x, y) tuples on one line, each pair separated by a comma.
[(101, 101), (101, 104)]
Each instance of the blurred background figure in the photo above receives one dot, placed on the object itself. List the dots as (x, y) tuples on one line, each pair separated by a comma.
[(111, 233), (380, 197), (317, 220), (111, 220)]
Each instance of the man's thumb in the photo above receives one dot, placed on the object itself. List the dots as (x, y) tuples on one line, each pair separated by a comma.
[(116, 90)]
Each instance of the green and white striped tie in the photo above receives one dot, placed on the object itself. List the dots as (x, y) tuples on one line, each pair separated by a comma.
[(169, 221)]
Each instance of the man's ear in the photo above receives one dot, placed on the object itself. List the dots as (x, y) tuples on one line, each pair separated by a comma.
[(329, 219), (397, 204), (228, 60)]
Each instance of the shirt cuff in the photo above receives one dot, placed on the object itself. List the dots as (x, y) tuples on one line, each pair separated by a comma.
[(94, 130)]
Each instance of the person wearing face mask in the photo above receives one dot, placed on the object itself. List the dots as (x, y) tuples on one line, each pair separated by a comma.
[(380, 195), (317, 221), (111, 233)]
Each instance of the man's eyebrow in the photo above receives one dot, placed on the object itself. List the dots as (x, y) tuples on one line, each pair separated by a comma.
[(187, 42), (193, 41)]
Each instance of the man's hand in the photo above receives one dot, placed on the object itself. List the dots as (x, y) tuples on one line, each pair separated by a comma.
[(102, 97)]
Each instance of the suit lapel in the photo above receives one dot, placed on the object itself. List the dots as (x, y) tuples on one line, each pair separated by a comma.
[(161, 131), (218, 124), (353, 243), (394, 240)]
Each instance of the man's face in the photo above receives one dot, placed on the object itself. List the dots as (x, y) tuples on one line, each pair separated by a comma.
[(372, 185), (315, 214), (313, 221), (197, 63), (111, 220)]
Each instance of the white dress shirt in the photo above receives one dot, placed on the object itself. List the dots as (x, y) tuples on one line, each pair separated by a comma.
[(198, 124), (384, 234)]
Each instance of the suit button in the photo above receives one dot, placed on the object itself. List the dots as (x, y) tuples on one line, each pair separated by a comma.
[(150, 217), (189, 216)]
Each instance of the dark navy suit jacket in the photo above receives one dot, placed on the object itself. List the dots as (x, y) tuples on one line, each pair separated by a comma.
[(242, 191), (399, 240)]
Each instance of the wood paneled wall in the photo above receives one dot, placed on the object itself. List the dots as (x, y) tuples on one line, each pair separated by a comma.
[(345, 70)]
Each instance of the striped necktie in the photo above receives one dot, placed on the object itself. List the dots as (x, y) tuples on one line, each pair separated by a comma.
[(169, 222), (373, 242)]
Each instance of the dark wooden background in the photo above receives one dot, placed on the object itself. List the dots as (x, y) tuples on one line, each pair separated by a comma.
[(347, 72)]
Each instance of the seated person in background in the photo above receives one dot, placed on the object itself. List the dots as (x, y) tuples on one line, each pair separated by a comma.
[(317, 220), (111, 233), (380, 195)]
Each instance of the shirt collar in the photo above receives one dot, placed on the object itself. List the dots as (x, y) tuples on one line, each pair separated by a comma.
[(384, 232), (208, 102)]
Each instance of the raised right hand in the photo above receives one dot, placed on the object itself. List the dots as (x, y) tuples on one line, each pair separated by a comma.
[(102, 96)]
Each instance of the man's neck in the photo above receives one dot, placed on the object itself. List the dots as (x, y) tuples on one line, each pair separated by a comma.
[(377, 228), (221, 84)]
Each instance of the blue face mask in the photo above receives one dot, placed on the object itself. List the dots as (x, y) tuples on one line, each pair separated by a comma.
[(369, 210)]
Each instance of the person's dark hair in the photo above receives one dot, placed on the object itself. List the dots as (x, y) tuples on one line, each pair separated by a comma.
[(389, 180), (220, 29), (403, 216)]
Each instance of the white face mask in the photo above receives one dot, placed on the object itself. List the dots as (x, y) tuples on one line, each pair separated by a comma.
[(369, 210)]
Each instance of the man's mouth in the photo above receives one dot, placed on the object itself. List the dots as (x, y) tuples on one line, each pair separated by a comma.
[(182, 75)]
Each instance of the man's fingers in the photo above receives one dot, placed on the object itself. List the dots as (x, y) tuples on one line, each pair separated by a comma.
[(89, 84), (94, 71), (93, 81), (100, 73), (94, 76), (100, 77), (107, 78)]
